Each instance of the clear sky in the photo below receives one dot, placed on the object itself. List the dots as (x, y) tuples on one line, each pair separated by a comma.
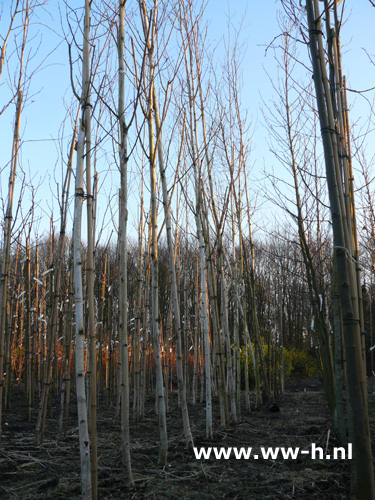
[(50, 86)]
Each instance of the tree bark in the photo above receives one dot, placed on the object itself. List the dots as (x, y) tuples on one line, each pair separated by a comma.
[(124, 348), (351, 327), (84, 441)]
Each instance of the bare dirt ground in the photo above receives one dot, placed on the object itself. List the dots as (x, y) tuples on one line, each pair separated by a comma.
[(51, 471)]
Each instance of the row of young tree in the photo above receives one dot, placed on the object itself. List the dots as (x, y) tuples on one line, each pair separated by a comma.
[(194, 303), (31, 301)]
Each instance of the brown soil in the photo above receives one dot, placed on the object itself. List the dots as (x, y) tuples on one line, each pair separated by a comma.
[(51, 471)]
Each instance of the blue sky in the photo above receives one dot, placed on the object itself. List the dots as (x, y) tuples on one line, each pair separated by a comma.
[(50, 86)]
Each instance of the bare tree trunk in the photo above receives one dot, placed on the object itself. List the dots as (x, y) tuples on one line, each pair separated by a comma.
[(90, 278), (77, 262), (65, 389), (5, 263), (27, 336), (199, 215), (251, 279), (138, 319), (56, 272), (204, 298), (155, 319), (149, 30), (172, 269), (350, 311), (124, 350), (145, 322)]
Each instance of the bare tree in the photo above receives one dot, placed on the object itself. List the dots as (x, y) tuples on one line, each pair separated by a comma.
[(149, 29), (84, 440), (124, 356), (171, 247), (5, 263), (336, 157), (286, 118), (200, 214)]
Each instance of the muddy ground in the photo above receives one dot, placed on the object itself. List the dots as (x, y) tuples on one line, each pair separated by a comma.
[(51, 471)]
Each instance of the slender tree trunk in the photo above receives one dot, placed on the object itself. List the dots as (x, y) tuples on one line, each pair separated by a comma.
[(27, 336), (172, 269), (149, 30), (5, 263), (84, 441), (138, 318), (124, 348), (155, 319), (90, 279), (362, 445), (55, 278)]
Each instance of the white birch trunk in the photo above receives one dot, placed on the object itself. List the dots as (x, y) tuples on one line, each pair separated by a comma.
[(84, 442)]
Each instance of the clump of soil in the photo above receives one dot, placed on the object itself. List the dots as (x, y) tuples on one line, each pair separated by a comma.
[(51, 471)]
